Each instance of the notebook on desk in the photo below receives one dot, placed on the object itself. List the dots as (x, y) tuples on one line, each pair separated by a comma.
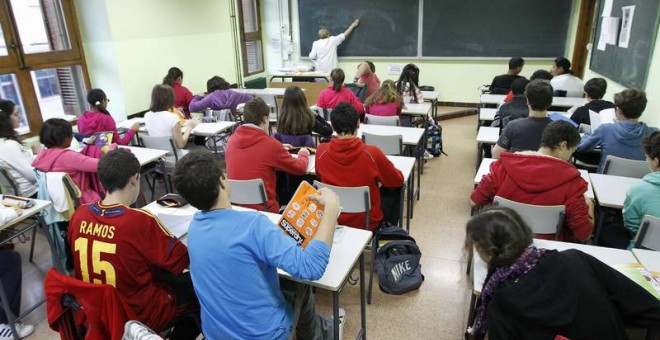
[(559, 116), (604, 117)]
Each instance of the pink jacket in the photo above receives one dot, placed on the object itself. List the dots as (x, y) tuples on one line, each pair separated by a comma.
[(78, 166), (92, 122), (328, 99)]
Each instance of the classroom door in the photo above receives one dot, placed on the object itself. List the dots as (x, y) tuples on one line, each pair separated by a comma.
[(42, 65)]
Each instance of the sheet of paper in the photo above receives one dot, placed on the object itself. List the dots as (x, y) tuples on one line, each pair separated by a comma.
[(626, 25), (602, 43), (607, 8), (611, 29)]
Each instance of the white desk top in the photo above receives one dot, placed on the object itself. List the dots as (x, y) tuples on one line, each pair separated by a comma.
[(145, 155), (416, 109), (410, 135), (269, 91), (39, 205), (346, 248), (492, 98), (488, 135), (568, 101), (484, 169), (300, 75), (211, 129), (649, 259), (487, 114), (126, 124), (590, 188), (404, 164), (430, 95), (611, 190), (610, 256)]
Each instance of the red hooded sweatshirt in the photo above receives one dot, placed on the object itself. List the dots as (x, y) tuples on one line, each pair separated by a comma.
[(347, 162), (532, 178), (252, 153)]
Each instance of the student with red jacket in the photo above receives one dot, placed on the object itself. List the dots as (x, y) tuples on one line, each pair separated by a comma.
[(182, 96), (337, 93), (542, 177), (252, 153), (346, 161)]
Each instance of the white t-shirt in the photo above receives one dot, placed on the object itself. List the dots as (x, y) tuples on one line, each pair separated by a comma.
[(160, 124), (569, 83), (324, 52), (17, 160)]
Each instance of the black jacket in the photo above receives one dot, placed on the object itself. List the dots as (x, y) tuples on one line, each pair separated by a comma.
[(570, 293), (502, 83), (581, 114)]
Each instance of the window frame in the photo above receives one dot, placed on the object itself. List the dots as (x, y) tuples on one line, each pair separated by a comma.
[(250, 37)]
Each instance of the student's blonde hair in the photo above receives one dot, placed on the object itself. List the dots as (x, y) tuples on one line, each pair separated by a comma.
[(387, 93)]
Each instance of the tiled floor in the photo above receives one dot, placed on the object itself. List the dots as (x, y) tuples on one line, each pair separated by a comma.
[(437, 311)]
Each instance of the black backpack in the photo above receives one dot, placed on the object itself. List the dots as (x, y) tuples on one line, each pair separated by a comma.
[(397, 261)]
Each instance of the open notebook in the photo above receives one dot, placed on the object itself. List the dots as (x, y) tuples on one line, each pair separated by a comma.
[(604, 117)]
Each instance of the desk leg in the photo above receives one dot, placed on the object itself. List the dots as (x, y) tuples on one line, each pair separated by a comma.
[(363, 305), (54, 253), (599, 225), (409, 190), (401, 203), (471, 314), (335, 314), (479, 156)]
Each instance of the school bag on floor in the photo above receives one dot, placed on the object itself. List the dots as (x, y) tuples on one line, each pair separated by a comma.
[(397, 261), (434, 140)]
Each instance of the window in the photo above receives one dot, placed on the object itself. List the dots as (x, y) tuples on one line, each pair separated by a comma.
[(42, 66), (251, 44)]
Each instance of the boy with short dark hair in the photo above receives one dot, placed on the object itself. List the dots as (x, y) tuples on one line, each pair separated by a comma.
[(543, 177), (516, 107), (346, 161), (234, 258), (525, 133), (252, 153), (624, 137), (132, 251), (502, 84), (595, 89)]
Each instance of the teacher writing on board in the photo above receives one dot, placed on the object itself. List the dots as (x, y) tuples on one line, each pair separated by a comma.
[(324, 50)]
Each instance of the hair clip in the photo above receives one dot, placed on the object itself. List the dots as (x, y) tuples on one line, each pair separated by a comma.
[(97, 103)]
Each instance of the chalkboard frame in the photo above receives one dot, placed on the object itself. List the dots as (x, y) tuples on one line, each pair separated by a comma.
[(595, 53)]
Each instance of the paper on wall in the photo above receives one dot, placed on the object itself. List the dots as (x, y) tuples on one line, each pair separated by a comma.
[(609, 31), (607, 8), (626, 25)]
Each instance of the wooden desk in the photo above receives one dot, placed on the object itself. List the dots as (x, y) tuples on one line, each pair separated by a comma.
[(492, 98), (484, 169), (487, 114), (416, 109), (650, 259), (347, 249), (432, 97), (488, 135), (301, 76)]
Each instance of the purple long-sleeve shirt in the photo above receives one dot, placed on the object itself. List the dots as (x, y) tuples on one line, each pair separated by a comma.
[(219, 100)]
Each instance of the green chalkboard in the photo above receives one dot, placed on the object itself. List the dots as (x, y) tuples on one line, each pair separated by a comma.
[(628, 66)]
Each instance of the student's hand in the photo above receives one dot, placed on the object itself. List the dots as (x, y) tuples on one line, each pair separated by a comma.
[(191, 124), (303, 151), (288, 146), (356, 23), (36, 147), (328, 198), (18, 210), (135, 127)]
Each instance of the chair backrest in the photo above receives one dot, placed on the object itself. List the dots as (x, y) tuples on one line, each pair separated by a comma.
[(252, 191), (7, 184), (160, 143), (389, 144), (648, 235), (542, 219), (382, 120), (301, 140), (618, 166), (360, 91), (352, 199), (324, 112), (73, 190)]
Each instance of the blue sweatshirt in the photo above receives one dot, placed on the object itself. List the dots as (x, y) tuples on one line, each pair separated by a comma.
[(234, 258), (642, 199), (621, 139)]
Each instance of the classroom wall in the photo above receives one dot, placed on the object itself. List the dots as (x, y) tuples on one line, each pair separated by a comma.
[(130, 45)]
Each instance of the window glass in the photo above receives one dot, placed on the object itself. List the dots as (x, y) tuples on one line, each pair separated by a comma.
[(60, 92), (40, 25), (250, 17), (254, 56), (3, 45), (9, 90)]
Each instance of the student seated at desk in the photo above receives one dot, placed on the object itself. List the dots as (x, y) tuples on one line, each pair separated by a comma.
[(14, 156), (408, 85), (516, 108), (347, 162), (182, 96), (140, 257), (595, 89), (252, 153), (525, 133), (623, 138), (366, 75), (98, 119), (386, 101), (644, 198), (563, 81), (338, 93), (536, 293), (234, 256), (538, 74), (56, 134), (218, 96), (502, 84), (543, 177), (296, 119)]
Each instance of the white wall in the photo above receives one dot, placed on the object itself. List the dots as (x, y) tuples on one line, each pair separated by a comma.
[(130, 45)]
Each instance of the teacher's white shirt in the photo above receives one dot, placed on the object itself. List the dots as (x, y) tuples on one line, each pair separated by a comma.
[(324, 53)]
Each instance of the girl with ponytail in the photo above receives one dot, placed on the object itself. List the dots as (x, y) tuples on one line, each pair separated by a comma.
[(182, 96), (98, 119), (385, 102), (338, 93)]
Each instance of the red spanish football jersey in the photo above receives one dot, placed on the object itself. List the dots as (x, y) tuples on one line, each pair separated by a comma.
[(126, 248)]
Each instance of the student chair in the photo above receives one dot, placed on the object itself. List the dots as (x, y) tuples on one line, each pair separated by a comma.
[(389, 144), (360, 91), (382, 120), (252, 191), (648, 235), (356, 200), (324, 112), (618, 166), (541, 218), (7, 184), (166, 166)]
